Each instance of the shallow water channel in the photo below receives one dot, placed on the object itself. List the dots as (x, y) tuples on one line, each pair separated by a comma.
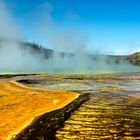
[(112, 113)]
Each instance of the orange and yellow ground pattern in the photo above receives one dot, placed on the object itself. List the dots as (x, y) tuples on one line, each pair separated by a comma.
[(20, 105)]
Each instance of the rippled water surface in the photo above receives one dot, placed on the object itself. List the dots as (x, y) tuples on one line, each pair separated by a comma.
[(112, 113)]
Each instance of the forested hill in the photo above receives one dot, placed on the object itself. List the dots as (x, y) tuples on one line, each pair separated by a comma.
[(45, 53), (38, 49)]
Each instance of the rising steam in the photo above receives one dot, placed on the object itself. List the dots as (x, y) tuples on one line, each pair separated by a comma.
[(69, 45)]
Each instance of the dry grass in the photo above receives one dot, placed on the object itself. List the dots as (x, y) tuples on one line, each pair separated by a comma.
[(19, 105)]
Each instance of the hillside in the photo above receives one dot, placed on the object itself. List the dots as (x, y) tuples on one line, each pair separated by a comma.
[(135, 58), (37, 49), (45, 53)]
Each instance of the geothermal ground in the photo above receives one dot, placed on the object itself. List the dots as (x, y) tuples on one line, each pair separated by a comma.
[(112, 111)]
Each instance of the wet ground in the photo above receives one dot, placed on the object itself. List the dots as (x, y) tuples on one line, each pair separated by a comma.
[(104, 116), (111, 113)]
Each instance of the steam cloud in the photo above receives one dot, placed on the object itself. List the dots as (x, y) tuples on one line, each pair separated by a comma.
[(14, 57)]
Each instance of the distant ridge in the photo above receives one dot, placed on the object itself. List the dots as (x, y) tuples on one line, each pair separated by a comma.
[(45, 53)]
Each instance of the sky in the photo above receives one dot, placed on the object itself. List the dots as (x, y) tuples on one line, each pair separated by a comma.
[(110, 26)]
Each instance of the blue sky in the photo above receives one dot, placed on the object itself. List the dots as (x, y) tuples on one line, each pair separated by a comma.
[(112, 26)]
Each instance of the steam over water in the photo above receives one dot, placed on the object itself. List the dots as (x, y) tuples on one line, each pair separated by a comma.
[(14, 58)]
